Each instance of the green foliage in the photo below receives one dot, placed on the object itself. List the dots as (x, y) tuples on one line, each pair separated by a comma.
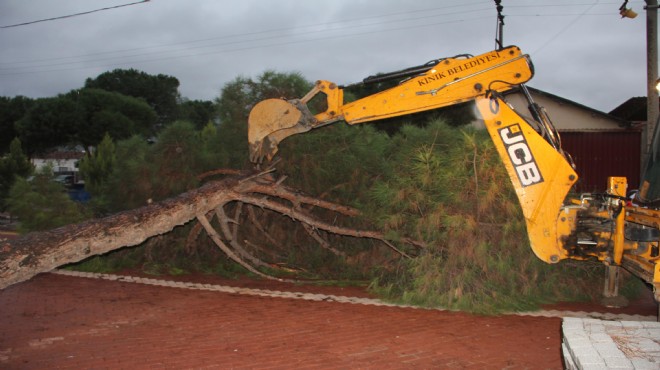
[(214, 154), (97, 167), (129, 185), (448, 188), (145, 173), (111, 113), (83, 117), (198, 112), (42, 204), (128, 258), (160, 91), (11, 110), (175, 160), (13, 165), (338, 162), (49, 123)]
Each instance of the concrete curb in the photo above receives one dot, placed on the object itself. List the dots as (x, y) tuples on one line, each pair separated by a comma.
[(328, 297)]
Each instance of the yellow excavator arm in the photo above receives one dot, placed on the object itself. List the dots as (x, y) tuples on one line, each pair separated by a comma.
[(541, 176), (449, 81), (541, 185), (601, 227)]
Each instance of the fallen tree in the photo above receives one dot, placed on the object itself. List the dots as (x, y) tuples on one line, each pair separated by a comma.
[(34, 253)]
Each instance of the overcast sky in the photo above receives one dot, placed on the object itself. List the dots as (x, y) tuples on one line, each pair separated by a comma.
[(582, 49)]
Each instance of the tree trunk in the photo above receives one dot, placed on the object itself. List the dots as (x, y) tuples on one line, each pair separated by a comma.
[(23, 258)]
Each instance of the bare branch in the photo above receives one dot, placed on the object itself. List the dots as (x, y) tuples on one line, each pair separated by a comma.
[(297, 215), (322, 242), (255, 220), (294, 196), (219, 171), (218, 241), (224, 228)]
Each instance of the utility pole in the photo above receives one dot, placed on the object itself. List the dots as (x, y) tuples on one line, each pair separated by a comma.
[(499, 32), (651, 72), (651, 77)]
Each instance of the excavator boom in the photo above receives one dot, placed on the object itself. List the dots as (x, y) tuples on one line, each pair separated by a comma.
[(541, 176), (449, 81)]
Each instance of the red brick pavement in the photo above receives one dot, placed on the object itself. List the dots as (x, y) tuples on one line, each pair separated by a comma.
[(62, 322)]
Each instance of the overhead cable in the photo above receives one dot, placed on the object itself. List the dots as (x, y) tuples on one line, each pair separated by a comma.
[(73, 15)]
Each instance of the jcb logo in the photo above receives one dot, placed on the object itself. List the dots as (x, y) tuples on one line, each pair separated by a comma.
[(520, 155)]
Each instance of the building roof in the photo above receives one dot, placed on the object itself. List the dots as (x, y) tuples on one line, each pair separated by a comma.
[(63, 155), (620, 120), (633, 109)]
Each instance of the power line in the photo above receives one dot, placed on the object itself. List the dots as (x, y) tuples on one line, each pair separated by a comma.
[(569, 25), (256, 40), (73, 15), (237, 48), (336, 25), (238, 41)]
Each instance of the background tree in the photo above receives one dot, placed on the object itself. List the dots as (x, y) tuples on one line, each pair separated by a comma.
[(49, 123), (13, 165), (83, 117), (11, 110), (175, 160), (96, 167), (214, 154), (198, 112), (42, 204), (104, 112), (129, 186), (161, 92), (148, 173), (239, 96)]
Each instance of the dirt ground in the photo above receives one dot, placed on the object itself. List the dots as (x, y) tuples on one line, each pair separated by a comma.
[(63, 322)]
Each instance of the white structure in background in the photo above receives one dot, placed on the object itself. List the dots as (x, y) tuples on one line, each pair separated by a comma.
[(64, 164)]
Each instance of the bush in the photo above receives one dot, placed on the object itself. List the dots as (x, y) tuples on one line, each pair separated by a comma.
[(449, 188), (42, 204)]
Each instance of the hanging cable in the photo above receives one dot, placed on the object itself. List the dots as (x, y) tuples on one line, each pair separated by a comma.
[(73, 15)]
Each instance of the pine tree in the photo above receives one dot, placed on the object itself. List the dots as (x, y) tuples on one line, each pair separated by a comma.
[(42, 204), (96, 168), (15, 164)]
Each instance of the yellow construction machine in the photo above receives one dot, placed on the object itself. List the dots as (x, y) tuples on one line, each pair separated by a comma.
[(606, 227)]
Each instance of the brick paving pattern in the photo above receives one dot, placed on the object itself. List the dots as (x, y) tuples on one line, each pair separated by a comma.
[(55, 321)]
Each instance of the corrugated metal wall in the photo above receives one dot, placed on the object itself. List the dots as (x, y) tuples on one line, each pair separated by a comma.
[(598, 155)]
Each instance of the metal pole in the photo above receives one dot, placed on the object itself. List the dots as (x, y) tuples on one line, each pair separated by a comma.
[(651, 72), (499, 32)]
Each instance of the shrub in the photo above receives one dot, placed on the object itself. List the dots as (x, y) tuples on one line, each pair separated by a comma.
[(449, 188), (42, 204)]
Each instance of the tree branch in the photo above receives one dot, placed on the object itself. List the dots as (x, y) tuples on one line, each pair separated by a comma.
[(298, 216)]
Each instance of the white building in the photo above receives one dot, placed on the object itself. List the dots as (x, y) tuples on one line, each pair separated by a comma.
[(59, 161)]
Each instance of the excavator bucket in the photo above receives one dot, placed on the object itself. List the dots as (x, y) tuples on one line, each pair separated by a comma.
[(270, 122)]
